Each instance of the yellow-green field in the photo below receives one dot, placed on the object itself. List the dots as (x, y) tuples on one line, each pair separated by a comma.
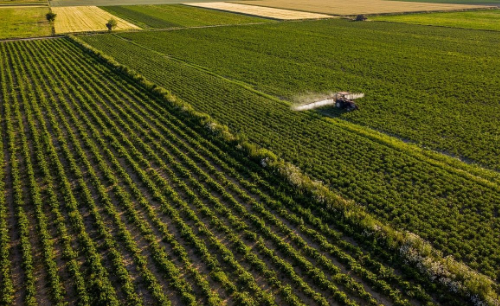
[(23, 22), (86, 19), (23, 2), (481, 20)]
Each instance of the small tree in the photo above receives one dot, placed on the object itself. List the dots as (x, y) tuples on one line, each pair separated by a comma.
[(111, 24), (360, 18), (51, 17)]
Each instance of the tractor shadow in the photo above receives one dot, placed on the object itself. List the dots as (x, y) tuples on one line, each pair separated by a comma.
[(332, 112)]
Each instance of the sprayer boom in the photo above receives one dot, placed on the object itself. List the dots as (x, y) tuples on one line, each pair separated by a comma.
[(341, 100)]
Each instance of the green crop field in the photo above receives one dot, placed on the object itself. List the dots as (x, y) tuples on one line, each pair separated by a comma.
[(23, 2), (168, 16), (114, 200), (170, 166), (480, 20), (458, 212), (114, 196), (24, 22)]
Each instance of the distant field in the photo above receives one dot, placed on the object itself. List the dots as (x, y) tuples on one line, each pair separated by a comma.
[(118, 2), (261, 11), (481, 20), (475, 2), (353, 7), (167, 16), (85, 19), (24, 22), (23, 2)]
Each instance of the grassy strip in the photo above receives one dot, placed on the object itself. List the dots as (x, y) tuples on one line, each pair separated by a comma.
[(456, 276)]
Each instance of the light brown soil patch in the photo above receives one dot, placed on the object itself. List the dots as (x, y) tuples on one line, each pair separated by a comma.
[(86, 19), (259, 11), (353, 7)]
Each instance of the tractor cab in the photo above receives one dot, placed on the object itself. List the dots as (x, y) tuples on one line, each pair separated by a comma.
[(343, 100)]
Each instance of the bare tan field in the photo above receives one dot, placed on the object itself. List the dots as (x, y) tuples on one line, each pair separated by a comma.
[(85, 19), (353, 7), (259, 11)]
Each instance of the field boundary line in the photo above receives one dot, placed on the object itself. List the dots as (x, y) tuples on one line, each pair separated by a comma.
[(454, 165), (455, 276)]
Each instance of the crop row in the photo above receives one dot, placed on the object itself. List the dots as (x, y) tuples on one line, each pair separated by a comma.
[(457, 214), (6, 285)]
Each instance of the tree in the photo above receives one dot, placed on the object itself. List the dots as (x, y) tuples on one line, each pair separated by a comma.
[(361, 18), (111, 24), (51, 17)]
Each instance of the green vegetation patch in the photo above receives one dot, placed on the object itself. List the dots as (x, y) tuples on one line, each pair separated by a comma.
[(168, 16), (480, 20), (23, 2), (24, 22), (408, 74)]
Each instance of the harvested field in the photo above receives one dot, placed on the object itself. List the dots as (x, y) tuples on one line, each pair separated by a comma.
[(353, 7), (86, 18), (260, 11)]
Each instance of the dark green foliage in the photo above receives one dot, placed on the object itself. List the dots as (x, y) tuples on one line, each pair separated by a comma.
[(111, 24), (51, 17)]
